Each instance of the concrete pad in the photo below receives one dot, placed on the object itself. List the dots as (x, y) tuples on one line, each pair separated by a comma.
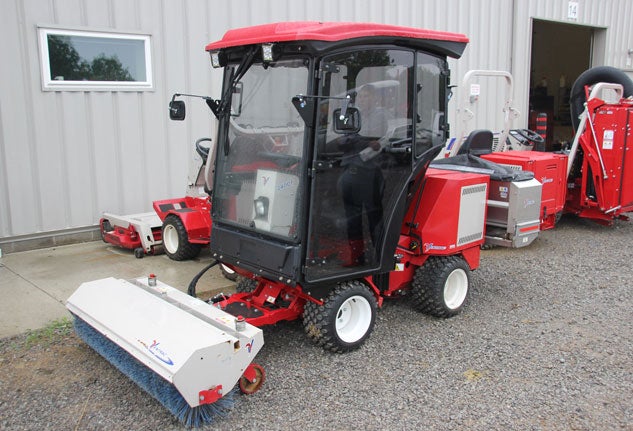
[(38, 282), (25, 307)]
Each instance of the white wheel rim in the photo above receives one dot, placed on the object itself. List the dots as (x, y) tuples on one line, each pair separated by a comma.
[(170, 239), (456, 288), (353, 319)]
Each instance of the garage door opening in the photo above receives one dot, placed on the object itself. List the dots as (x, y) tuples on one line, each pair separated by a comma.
[(560, 53)]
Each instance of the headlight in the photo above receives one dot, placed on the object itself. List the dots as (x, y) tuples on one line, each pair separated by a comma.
[(215, 59), (261, 207), (267, 52)]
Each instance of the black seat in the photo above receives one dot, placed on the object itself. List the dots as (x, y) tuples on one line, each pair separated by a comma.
[(477, 143)]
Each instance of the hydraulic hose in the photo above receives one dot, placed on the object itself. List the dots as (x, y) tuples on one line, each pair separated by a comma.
[(191, 290)]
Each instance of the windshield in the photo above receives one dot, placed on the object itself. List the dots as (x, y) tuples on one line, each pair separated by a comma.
[(259, 160)]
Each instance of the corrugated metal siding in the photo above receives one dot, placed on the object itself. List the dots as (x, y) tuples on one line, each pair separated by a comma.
[(65, 157)]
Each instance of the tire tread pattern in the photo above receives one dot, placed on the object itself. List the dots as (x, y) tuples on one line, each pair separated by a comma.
[(245, 285), (427, 291), (319, 320), (186, 250)]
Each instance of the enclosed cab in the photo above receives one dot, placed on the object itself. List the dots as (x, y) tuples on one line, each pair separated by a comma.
[(325, 134), (292, 199)]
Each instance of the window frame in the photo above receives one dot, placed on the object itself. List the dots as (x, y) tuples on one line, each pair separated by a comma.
[(50, 84)]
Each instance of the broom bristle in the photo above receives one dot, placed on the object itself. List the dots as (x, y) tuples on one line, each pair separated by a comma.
[(159, 388)]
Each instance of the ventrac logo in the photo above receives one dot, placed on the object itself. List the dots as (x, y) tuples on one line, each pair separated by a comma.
[(546, 180), (159, 353), (249, 346), (431, 246), (265, 180)]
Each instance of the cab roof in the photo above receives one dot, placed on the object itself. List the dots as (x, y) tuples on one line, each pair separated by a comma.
[(453, 44)]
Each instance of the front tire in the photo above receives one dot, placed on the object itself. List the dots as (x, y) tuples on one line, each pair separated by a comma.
[(176, 241), (245, 285), (344, 321), (440, 286), (228, 273)]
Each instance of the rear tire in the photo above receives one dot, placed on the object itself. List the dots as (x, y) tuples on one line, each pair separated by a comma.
[(104, 227), (176, 241), (440, 286), (344, 321)]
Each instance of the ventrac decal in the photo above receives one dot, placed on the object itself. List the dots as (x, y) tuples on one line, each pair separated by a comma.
[(284, 185), (528, 202), (249, 346), (159, 353), (431, 246)]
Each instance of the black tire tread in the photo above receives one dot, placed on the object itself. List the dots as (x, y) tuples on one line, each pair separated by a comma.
[(245, 285), (593, 76), (319, 320), (427, 291), (186, 250), (228, 275)]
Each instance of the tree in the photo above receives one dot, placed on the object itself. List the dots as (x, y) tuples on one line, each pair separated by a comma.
[(66, 63), (109, 69)]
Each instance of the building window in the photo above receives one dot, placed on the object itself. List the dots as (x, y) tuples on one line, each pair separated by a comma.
[(83, 60)]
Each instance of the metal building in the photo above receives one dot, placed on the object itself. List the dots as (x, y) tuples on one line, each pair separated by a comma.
[(74, 144)]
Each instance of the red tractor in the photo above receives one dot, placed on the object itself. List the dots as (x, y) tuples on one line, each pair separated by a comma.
[(321, 188)]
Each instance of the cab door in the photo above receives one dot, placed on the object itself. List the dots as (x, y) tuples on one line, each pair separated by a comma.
[(358, 175)]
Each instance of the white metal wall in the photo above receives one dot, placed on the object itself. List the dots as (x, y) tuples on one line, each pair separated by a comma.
[(65, 157)]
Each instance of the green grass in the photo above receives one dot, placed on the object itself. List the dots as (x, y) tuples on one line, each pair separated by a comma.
[(50, 333)]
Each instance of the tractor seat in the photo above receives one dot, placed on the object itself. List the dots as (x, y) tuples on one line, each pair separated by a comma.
[(477, 143)]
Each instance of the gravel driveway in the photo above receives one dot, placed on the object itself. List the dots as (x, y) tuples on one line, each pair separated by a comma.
[(545, 342)]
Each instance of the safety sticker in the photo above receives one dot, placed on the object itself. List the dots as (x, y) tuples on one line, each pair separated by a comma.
[(607, 140)]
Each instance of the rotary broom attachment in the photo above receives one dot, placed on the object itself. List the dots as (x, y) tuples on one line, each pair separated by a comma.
[(182, 351)]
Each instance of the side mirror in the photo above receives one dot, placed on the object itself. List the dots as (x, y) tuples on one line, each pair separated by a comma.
[(346, 121), (177, 110)]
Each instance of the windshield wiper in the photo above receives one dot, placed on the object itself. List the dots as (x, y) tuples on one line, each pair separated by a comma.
[(223, 107), (244, 65)]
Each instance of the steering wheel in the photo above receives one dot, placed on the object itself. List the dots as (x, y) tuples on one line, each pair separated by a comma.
[(282, 160), (399, 146), (530, 135), (202, 150)]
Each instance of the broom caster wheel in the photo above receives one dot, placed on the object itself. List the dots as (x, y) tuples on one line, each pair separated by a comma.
[(252, 379), (139, 253)]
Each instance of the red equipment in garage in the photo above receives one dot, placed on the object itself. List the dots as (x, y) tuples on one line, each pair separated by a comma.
[(600, 184), (594, 178)]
